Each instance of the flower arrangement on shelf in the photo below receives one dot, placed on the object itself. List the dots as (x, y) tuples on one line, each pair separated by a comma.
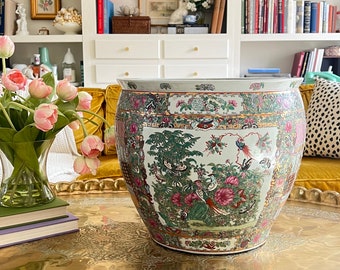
[(36, 111), (194, 5)]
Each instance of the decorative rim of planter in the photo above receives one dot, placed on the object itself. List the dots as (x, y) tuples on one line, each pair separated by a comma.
[(211, 85)]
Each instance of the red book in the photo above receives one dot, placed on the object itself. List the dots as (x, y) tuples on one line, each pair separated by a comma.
[(100, 16), (297, 64)]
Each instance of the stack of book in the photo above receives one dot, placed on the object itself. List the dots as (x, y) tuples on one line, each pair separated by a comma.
[(265, 72), (307, 61), (20, 225)]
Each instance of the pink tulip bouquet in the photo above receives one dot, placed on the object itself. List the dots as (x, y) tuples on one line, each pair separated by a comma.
[(39, 115)]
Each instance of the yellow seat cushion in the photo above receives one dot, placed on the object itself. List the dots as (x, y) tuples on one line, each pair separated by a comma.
[(319, 172)]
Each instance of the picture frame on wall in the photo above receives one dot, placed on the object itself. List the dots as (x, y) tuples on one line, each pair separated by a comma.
[(159, 10), (44, 9)]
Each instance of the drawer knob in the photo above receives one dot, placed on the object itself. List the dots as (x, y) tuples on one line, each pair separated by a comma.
[(126, 49), (196, 49), (195, 74), (126, 73)]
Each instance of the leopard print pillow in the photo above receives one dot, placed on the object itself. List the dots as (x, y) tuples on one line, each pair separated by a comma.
[(323, 120)]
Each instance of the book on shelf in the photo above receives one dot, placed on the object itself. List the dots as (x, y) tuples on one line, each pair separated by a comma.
[(297, 64), (16, 216), (188, 29), (270, 70), (221, 17), (10, 17), (107, 16), (100, 16), (2, 17), (216, 11), (268, 75), (39, 230)]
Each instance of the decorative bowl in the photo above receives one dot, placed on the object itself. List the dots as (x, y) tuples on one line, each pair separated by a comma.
[(69, 28), (209, 163)]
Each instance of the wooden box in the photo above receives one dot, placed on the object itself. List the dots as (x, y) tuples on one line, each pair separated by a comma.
[(131, 25)]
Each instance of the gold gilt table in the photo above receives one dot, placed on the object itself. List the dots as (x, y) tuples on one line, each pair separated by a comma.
[(112, 236)]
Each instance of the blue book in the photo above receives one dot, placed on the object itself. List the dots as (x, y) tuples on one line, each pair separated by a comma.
[(264, 70), (35, 231), (108, 14), (313, 17)]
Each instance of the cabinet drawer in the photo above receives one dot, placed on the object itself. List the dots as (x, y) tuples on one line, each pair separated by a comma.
[(196, 71), (127, 49), (194, 49), (109, 73)]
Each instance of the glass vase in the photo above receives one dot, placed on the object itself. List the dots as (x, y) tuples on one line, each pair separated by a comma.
[(23, 173)]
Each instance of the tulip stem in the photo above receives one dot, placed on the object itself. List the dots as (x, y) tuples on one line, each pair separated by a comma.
[(3, 66), (96, 115), (7, 116)]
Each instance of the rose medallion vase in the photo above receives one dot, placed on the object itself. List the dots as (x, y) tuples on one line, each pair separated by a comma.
[(210, 163), (23, 173)]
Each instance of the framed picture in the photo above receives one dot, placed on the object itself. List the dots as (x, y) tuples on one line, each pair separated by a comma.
[(44, 9), (159, 10)]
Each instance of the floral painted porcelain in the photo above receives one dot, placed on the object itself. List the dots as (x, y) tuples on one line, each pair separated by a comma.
[(210, 163)]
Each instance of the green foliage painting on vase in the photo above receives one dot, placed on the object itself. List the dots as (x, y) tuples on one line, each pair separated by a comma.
[(31, 115)]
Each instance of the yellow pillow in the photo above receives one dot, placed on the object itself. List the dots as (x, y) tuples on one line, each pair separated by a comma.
[(306, 91), (94, 125)]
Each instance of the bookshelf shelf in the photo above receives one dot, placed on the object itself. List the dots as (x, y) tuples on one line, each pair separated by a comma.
[(289, 37), (47, 38)]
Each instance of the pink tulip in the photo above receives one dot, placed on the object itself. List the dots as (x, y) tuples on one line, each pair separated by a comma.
[(84, 165), (66, 91), (91, 146), (14, 80), (6, 47), (38, 89), (109, 136), (74, 125), (84, 100), (45, 116)]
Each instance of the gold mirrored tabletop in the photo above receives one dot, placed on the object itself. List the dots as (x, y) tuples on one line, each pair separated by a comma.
[(112, 236)]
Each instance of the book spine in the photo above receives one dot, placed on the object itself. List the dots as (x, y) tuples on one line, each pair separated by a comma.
[(220, 16), (108, 13), (216, 12), (313, 17), (100, 16), (297, 64), (280, 14), (299, 16), (2, 17), (306, 18), (291, 17), (325, 18)]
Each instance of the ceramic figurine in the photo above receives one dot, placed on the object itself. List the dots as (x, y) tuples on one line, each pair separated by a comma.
[(21, 21), (178, 15)]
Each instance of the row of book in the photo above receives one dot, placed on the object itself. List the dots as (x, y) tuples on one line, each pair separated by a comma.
[(20, 225), (288, 16), (307, 61), (105, 12)]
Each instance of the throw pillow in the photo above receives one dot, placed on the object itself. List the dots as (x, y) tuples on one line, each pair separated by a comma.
[(323, 120)]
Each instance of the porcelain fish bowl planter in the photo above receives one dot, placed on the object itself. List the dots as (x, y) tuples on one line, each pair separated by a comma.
[(209, 163)]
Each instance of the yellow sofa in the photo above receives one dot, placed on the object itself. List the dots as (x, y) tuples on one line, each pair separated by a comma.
[(316, 174), (318, 178)]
